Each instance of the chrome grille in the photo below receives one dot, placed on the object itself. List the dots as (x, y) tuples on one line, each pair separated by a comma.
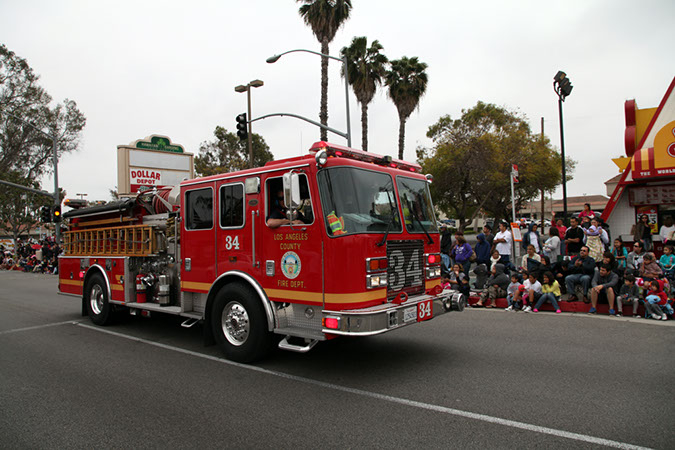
[(406, 268)]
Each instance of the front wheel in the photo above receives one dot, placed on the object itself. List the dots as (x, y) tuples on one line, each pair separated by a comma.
[(96, 300), (239, 324)]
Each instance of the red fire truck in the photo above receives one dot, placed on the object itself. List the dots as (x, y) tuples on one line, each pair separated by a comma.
[(338, 242)]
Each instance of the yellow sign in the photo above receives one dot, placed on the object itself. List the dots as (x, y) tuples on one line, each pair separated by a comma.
[(621, 163)]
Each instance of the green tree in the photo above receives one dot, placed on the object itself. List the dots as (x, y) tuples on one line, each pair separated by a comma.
[(23, 149), (366, 68), (471, 162), (324, 17), (407, 83), (20, 209), (227, 153)]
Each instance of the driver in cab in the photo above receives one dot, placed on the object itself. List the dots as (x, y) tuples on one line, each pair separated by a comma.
[(278, 216)]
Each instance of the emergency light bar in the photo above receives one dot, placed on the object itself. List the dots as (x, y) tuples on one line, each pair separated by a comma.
[(338, 151)]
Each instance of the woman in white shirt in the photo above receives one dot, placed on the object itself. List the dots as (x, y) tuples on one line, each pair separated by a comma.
[(667, 229)]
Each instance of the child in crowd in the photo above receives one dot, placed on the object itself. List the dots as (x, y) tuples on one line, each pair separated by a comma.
[(458, 280), (445, 281), (529, 291), (494, 259), (667, 260), (620, 253), (550, 293), (511, 292), (656, 300), (649, 269), (628, 294)]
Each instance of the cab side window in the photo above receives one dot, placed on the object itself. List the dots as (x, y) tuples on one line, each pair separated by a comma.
[(199, 209), (232, 206), (276, 208)]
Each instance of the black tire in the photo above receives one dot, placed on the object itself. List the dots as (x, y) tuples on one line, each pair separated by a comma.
[(239, 324), (96, 300)]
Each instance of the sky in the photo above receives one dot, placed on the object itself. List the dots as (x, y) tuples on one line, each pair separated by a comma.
[(137, 68)]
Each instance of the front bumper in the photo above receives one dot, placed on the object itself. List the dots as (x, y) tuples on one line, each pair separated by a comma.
[(389, 316)]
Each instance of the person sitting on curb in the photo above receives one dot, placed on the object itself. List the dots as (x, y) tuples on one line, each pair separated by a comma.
[(656, 300), (629, 294), (604, 283), (531, 254), (634, 258), (495, 287), (511, 292), (532, 291), (550, 293), (650, 269), (582, 269)]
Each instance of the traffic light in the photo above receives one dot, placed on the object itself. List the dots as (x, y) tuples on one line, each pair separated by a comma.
[(56, 216), (46, 214), (242, 127), (564, 86)]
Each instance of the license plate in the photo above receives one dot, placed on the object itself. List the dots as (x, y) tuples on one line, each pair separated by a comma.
[(424, 311), (410, 314)]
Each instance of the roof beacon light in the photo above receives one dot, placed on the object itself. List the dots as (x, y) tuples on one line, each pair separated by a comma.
[(359, 155)]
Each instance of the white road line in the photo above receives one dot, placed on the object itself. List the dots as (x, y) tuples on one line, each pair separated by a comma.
[(388, 398), (37, 327)]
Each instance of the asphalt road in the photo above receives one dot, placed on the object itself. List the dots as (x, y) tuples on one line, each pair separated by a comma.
[(477, 379)]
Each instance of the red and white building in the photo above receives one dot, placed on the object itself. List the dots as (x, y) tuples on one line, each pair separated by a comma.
[(647, 185)]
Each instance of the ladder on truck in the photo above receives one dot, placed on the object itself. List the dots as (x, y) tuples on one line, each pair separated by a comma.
[(129, 240)]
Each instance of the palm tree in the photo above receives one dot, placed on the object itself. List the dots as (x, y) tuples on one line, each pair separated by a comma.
[(366, 68), (407, 82), (325, 17)]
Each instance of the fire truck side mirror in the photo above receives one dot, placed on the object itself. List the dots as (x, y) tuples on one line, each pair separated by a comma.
[(292, 190)]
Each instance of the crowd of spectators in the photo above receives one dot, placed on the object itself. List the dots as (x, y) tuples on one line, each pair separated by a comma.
[(31, 256), (578, 263)]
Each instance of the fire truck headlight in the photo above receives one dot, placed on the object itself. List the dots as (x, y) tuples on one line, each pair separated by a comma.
[(321, 157), (376, 281)]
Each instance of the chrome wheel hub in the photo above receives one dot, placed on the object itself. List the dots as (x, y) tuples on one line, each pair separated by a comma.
[(96, 299), (235, 323)]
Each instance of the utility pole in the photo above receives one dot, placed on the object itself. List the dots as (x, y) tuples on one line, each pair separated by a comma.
[(543, 194)]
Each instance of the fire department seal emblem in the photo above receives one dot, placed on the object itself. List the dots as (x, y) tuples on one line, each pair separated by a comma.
[(290, 265)]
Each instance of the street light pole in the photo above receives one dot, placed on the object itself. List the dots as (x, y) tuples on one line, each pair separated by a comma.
[(247, 89), (562, 154), (343, 60), (562, 87)]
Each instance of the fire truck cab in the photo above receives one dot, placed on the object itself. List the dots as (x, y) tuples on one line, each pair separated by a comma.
[(338, 242)]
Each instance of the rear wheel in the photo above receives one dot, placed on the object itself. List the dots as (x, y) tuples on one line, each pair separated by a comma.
[(239, 324), (96, 300)]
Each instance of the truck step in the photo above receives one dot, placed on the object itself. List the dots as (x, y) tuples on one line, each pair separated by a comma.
[(189, 323), (298, 348)]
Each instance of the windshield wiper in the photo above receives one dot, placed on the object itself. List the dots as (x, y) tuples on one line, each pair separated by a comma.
[(386, 233), (431, 241)]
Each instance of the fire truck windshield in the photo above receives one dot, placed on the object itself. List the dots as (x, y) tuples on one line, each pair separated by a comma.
[(358, 201), (418, 212)]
